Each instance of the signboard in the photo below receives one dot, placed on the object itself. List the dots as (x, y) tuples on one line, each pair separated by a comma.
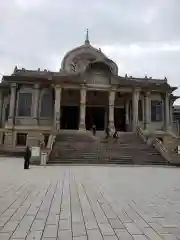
[(35, 151), (178, 149)]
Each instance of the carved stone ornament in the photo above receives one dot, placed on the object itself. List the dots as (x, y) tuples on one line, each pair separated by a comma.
[(15, 69)]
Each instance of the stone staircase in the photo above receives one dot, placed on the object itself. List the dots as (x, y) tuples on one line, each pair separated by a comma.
[(82, 148)]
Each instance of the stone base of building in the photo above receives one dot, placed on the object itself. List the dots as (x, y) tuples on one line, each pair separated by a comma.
[(9, 139), (34, 139), (32, 136)]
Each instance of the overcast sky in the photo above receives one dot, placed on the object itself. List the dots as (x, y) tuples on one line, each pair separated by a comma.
[(141, 36)]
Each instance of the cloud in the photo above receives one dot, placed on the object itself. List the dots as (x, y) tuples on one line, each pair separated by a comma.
[(142, 36)]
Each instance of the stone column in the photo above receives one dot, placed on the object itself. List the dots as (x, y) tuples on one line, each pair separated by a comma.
[(36, 99), (1, 115), (147, 110), (135, 100), (112, 95), (166, 100), (127, 114), (1, 107), (12, 105), (57, 108), (82, 122), (171, 112)]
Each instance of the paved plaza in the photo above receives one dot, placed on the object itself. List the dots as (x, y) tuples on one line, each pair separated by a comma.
[(88, 202)]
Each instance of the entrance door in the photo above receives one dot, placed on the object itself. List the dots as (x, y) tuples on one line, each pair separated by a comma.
[(69, 117), (119, 119), (95, 115)]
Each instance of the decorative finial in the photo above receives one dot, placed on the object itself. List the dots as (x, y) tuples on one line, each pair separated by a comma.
[(15, 69), (87, 37)]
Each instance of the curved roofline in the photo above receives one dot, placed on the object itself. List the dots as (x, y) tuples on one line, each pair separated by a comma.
[(85, 45)]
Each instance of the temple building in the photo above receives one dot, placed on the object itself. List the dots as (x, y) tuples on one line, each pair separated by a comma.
[(87, 90)]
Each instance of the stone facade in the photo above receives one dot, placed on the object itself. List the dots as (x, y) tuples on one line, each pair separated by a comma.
[(87, 90), (176, 120)]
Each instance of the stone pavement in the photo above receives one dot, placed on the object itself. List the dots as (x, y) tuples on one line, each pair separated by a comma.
[(88, 202)]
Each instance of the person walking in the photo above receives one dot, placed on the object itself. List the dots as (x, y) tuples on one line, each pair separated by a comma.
[(115, 135), (94, 129), (107, 132), (27, 156)]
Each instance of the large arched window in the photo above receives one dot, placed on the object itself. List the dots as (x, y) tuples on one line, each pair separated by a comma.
[(140, 110), (24, 104), (7, 112), (47, 106)]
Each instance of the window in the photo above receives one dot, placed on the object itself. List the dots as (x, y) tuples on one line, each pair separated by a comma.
[(3, 139), (46, 110), (7, 112), (140, 112), (24, 104), (156, 111), (21, 139)]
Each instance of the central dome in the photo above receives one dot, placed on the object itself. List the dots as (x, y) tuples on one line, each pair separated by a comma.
[(78, 59)]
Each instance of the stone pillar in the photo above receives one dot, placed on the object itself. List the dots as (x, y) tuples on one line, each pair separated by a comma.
[(127, 114), (82, 122), (166, 100), (147, 110), (135, 100), (1, 107), (36, 99), (112, 95), (12, 105), (171, 112), (57, 108)]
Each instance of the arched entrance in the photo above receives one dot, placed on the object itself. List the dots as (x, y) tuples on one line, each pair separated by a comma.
[(119, 119), (120, 112), (70, 109), (95, 116), (96, 110)]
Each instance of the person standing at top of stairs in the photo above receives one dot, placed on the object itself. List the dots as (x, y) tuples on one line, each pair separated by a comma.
[(107, 132), (94, 129)]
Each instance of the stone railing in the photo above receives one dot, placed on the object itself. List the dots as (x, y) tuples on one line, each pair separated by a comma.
[(141, 134), (46, 152), (159, 146), (156, 143)]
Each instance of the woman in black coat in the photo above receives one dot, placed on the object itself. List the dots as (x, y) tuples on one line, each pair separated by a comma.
[(27, 156)]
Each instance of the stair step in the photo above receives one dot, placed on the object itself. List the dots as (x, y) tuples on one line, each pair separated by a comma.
[(82, 148)]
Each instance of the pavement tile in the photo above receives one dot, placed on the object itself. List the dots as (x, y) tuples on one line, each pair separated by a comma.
[(97, 203), (140, 237), (10, 226), (94, 234), (5, 236), (65, 235), (64, 224), (50, 231), (123, 234), (78, 229), (116, 224), (132, 228), (34, 235), (106, 229)]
